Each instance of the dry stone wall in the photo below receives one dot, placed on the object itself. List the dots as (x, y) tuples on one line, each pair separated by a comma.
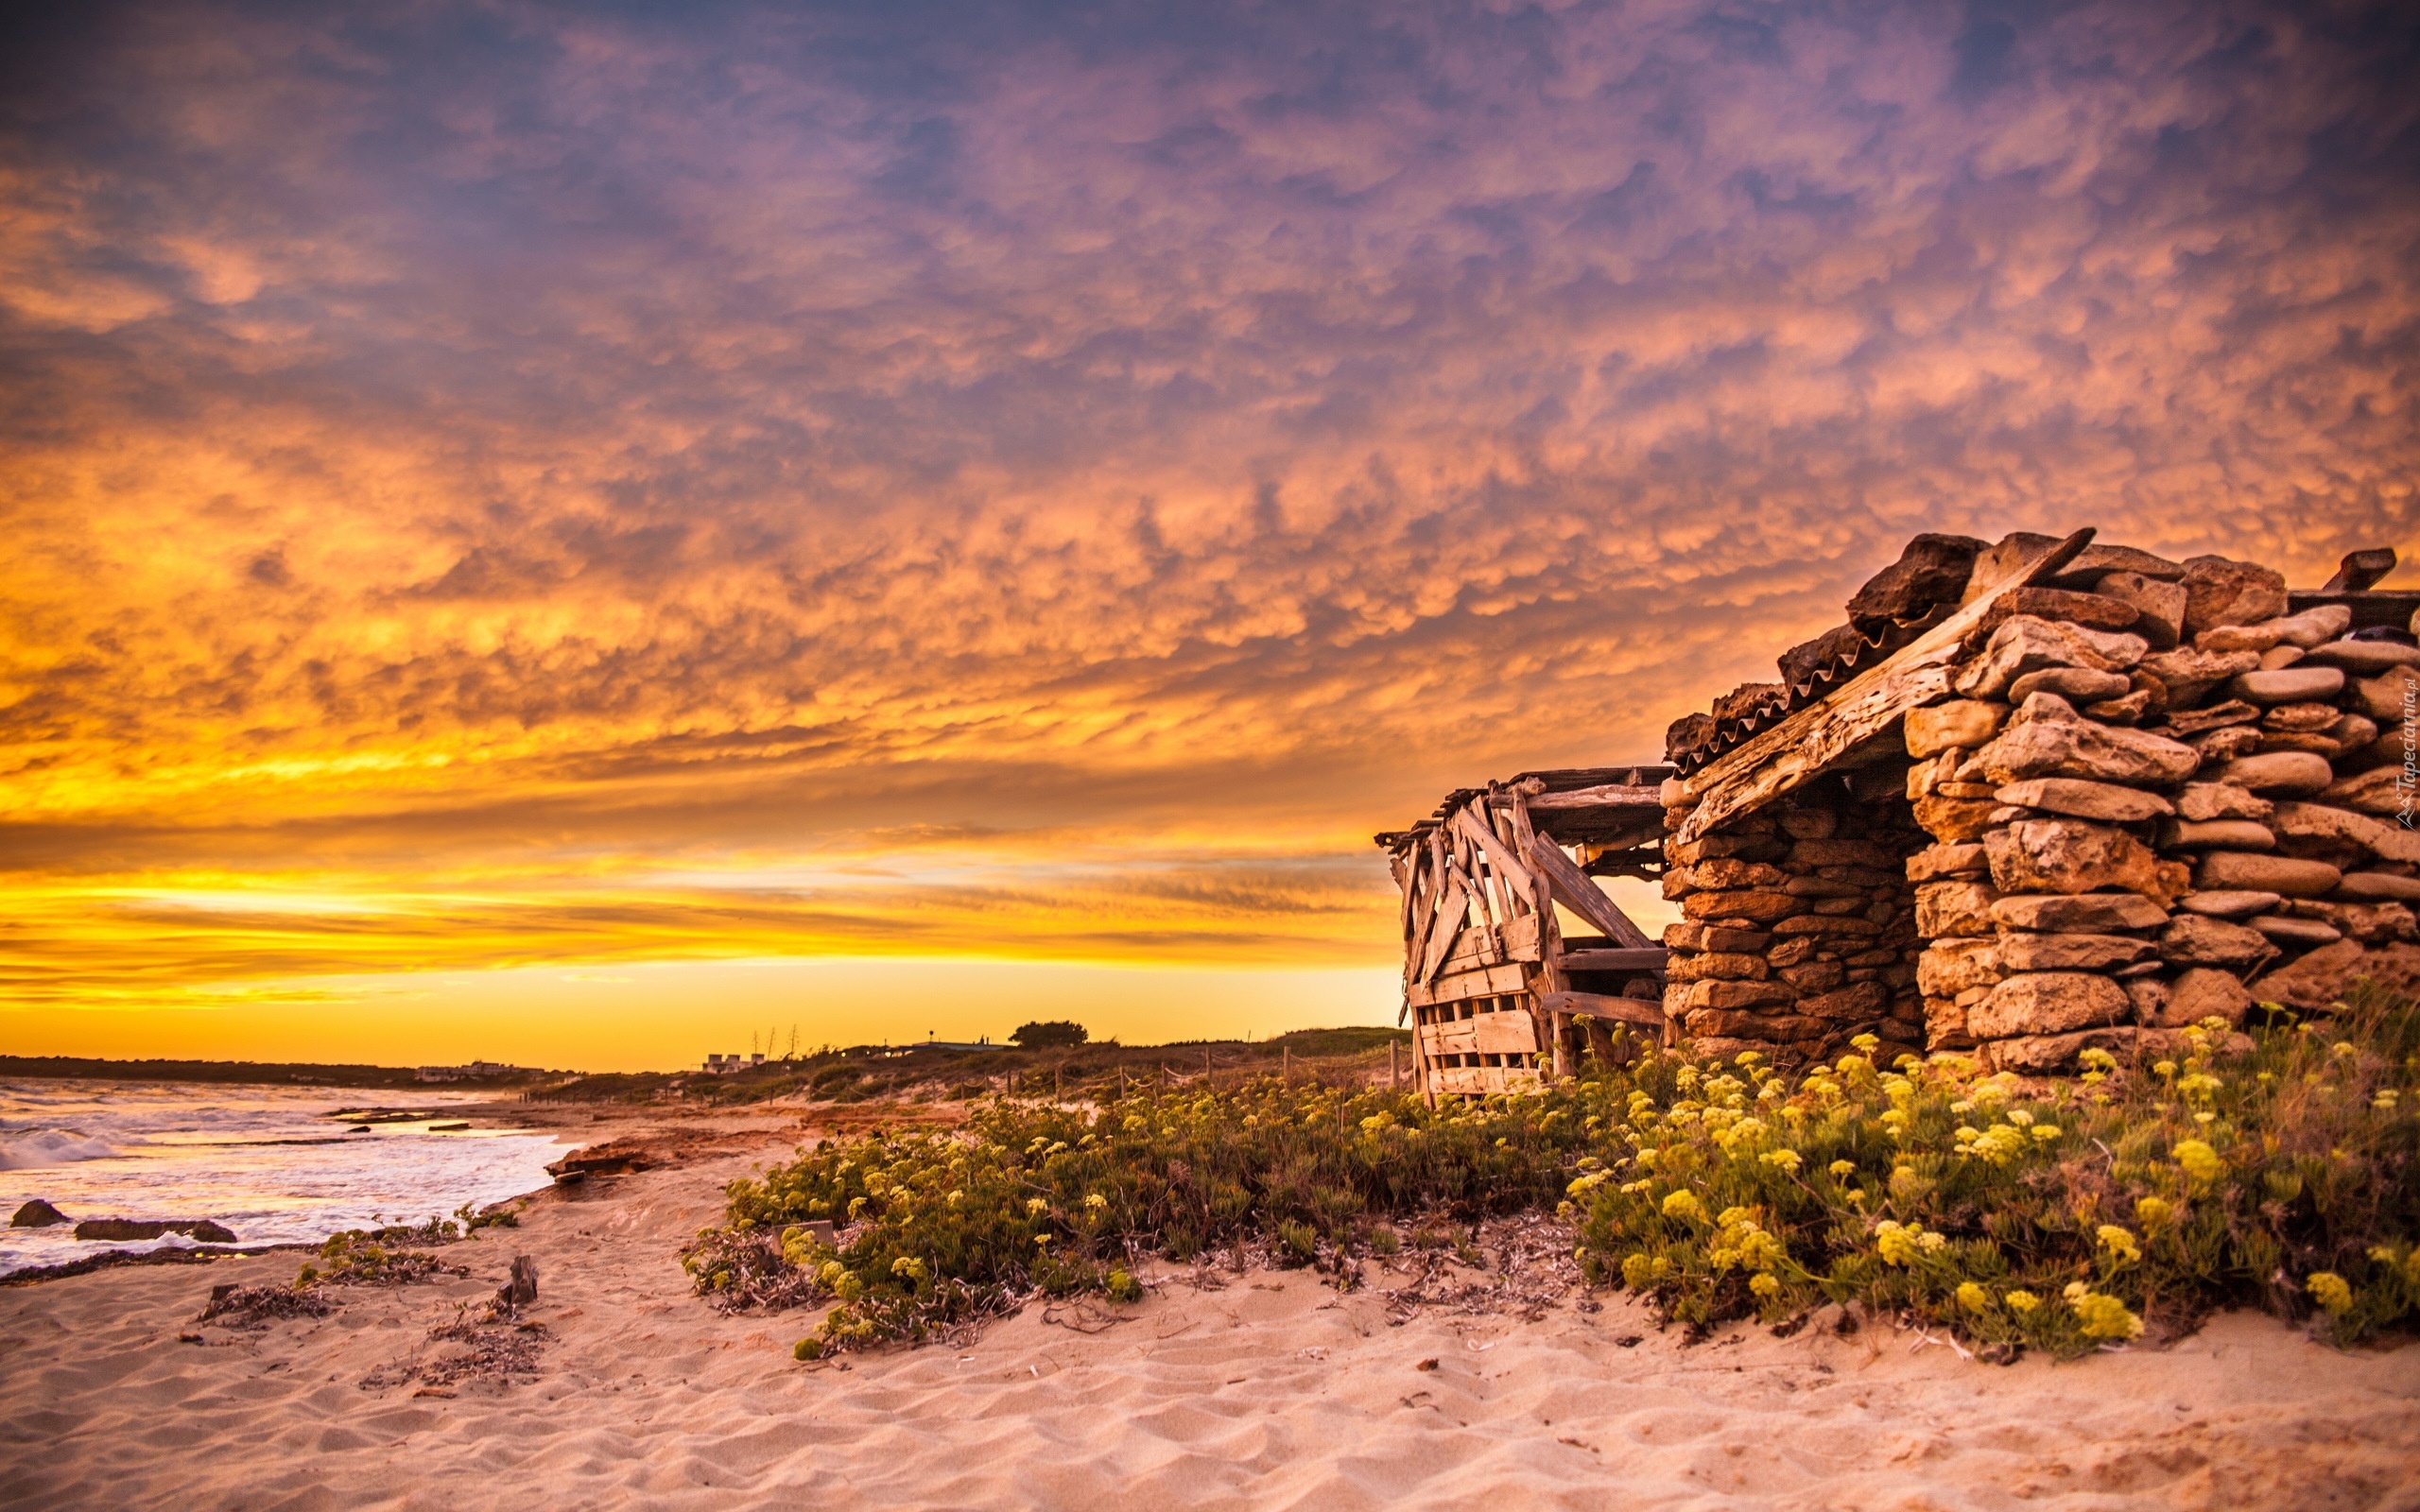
[(1799, 927), (2155, 797)]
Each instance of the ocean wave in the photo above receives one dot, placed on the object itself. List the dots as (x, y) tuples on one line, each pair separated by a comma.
[(50, 1146)]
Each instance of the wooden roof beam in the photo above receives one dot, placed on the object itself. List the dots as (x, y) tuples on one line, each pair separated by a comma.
[(1801, 747)]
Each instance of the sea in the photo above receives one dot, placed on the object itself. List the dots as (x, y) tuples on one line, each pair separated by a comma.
[(268, 1162)]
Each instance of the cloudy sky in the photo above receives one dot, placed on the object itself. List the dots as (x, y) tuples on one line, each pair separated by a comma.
[(571, 533)]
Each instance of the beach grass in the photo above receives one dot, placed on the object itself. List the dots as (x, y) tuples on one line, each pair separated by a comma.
[(2281, 1171)]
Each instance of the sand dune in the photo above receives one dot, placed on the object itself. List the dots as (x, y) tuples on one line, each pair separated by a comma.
[(1270, 1392)]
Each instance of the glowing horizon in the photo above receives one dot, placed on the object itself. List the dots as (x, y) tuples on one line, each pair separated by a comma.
[(503, 493)]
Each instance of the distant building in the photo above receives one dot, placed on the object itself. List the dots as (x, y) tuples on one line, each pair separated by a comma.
[(891, 1052), (732, 1065), (474, 1070)]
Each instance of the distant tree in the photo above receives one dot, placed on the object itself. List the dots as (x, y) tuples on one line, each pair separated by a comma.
[(1057, 1033)]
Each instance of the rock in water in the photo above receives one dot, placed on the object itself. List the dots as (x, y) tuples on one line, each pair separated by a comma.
[(120, 1230), (207, 1232), (36, 1214)]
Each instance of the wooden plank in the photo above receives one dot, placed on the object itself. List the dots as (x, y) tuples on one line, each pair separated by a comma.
[(1645, 1012), (1478, 1082), (2370, 606), (1431, 879), (1511, 1032), (1609, 795), (1475, 948), (1499, 1034), (1571, 886), (1466, 857), (2360, 571), (1488, 981), (1520, 889), (1788, 753), (1550, 977), (1452, 914), (1640, 958)]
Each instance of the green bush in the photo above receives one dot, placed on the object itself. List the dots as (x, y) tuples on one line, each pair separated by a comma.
[(2058, 1216), (947, 1227), (2283, 1176), (1055, 1034)]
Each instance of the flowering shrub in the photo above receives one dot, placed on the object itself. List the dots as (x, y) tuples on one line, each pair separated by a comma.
[(2060, 1217), (943, 1228)]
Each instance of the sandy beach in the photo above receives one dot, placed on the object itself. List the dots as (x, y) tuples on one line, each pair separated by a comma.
[(1267, 1390)]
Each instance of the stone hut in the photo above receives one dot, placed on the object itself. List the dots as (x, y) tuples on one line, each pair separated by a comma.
[(2034, 798)]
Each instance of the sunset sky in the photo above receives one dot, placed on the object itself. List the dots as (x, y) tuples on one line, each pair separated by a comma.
[(576, 534)]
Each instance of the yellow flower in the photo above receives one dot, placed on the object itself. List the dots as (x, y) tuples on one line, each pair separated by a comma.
[(2201, 1162), (1684, 1205), (1786, 1159), (2153, 1212), (1899, 1245), (2103, 1316), (2021, 1301), (1036, 1205), (1865, 1042), (1764, 1285), (1973, 1297), (2120, 1243), (2329, 1290), (1841, 1168)]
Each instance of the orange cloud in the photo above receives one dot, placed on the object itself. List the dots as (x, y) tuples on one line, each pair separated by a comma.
[(474, 467)]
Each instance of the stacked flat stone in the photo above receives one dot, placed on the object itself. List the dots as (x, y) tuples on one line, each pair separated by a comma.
[(2152, 803), (1799, 930)]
